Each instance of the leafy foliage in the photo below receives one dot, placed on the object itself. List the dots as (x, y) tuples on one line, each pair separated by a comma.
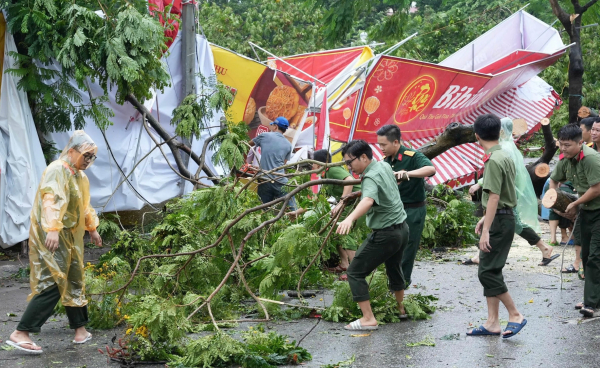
[(120, 49), (383, 303), (284, 27), (449, 223), (108, 229)]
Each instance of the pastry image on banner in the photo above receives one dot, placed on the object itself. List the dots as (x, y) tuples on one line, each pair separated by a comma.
[(274, 95)]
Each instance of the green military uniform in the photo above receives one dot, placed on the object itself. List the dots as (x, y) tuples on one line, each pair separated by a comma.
[(413, 197), (390, 233), (339, 173), (499, 174), (584, 171)]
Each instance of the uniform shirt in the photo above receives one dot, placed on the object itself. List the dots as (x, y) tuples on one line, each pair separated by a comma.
[(583, 170), (379, 184), (499, 172), (412, 191), (275, 149), (338, 173)]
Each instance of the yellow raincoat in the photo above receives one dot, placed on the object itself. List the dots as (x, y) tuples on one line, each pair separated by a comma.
[(62, 203)]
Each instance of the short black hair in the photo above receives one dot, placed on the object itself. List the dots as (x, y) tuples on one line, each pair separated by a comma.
[(356, 148), (570, 132), (487, 127), (391, 132), (322, 156), (588, 122)]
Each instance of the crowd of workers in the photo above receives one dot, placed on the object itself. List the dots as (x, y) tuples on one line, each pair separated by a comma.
[(392, 203)]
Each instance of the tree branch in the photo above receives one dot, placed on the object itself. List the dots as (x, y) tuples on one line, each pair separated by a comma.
[(587, 6)]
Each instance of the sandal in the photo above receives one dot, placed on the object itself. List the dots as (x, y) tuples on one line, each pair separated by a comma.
[(87, 338), (590, 312), (468, 262), (514, 328), (356, 326), (569, 269), (579, 305), (546, 261), (343, 277), (482, 331), (17, 345)]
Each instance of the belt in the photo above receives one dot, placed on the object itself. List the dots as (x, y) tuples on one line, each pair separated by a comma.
[(415, 205), (503, 211), (393, 227)]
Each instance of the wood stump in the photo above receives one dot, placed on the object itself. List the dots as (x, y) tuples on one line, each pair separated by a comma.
[(519, 127), (557, 200)]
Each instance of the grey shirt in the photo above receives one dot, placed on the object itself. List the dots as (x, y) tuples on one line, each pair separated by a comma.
[(275, 149)]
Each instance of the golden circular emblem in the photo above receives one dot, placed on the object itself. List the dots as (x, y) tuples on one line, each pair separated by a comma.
[(414, 99)]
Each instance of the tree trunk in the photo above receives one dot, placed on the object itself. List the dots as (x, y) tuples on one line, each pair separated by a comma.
[(557, 200), (454, 135)]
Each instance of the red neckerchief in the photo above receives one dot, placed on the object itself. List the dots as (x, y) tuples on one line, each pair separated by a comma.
[(486, 157)]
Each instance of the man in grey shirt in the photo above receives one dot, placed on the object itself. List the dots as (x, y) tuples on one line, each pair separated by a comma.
[(276, 150)]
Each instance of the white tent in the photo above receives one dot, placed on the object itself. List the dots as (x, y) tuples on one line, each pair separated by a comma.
[(21, 158)]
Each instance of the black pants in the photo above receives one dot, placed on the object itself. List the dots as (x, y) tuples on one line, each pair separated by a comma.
[(381, 246), (41, 307), (530, 235), (491, 264), (590, 255)]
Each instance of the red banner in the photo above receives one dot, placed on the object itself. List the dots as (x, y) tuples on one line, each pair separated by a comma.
[(341, 116), (324, 65), (422, 98)]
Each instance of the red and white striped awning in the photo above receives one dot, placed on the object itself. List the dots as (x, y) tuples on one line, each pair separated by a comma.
[(460, 165)]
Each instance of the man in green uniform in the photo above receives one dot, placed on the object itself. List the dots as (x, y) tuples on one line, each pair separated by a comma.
[(380, 202), (581, 165), (414, 165), (496, 228)]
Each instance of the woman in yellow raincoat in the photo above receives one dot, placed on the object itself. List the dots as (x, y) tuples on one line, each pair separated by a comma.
[(60, 216)]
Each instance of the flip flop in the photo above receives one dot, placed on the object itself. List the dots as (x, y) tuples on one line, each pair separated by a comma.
[(87, 338), (579, 305), (514, 327), (590, 312), (546, 261), (468, 262), (17, 345), (356, 326), (482, 331), (569, 269), (343, 277)]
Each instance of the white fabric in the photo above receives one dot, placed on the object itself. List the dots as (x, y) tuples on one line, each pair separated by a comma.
[(153, 178), (517, 32), (21, 158)]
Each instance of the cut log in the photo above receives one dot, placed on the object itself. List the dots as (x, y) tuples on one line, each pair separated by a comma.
[(550, 148), (557, 200), (519, 127), (542, 170)]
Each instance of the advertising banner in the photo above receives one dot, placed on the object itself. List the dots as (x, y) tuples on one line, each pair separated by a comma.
[(423, 98), (261, 94)]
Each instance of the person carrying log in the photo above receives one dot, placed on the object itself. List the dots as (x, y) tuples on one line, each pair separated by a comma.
[(381, 203), (415, 166), (496, 228), (581, 164), (526, 221)]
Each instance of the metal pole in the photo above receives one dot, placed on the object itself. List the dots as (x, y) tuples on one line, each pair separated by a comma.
[(399, 44), (188, 63)]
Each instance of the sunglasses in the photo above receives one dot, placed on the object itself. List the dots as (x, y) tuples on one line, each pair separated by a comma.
[(348, 162), (88, 157)]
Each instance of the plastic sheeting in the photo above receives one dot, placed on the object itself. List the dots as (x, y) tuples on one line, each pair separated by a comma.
[(62, 204), (21, 158), (153, 179), (527, 205)]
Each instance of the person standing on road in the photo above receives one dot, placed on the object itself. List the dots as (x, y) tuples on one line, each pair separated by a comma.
[(60, 216), (581, 165), (415, 166), (526, 213), (275, 152), (381, 203), (496, 228)]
